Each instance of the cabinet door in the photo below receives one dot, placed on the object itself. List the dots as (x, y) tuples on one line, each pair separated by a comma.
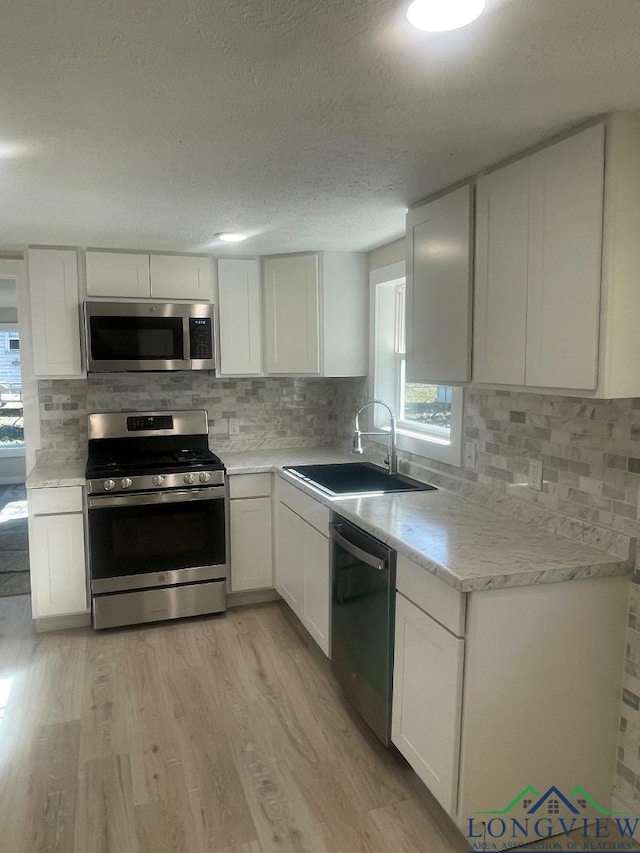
[(181, 277), (438, 319), (239, 299), (117, 274), (291, 314), (317, 586), (500, 302), (289, 572), (58, 573), (55, 312), (563, 306), (427, 700), (251, 563)]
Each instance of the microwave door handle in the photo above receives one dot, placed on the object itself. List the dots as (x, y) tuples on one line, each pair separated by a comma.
[(186, 343)]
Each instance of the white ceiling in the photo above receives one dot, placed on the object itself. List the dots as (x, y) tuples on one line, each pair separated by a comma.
[(309, 124)]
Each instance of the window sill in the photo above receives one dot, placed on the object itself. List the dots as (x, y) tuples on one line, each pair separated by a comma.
[(429, 447)]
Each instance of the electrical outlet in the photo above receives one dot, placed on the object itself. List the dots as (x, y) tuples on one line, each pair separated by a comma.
[(234, 426), (470, 454), (535, 474)]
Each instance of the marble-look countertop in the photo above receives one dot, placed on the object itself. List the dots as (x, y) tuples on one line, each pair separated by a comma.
[(464, 544), (460, 541), (55, 469)]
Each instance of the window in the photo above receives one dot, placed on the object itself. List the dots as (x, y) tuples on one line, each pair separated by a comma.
[(429, 416)]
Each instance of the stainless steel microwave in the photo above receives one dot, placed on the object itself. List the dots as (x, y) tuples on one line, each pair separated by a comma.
[(144, 336)]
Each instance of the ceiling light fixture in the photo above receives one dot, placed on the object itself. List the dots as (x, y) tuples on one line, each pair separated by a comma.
[(231, 237), (436, 16)]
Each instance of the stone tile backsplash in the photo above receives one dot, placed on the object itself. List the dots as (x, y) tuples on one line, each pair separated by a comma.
[(273, 412)]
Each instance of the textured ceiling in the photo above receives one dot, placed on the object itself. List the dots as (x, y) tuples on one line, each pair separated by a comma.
[(309, 124)]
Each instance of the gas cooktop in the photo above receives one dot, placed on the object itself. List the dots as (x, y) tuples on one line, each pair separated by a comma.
[(139, 451)]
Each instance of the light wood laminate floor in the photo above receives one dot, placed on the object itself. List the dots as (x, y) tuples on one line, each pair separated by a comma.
[(215, 734)]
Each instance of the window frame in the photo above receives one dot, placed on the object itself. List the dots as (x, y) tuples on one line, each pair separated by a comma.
[(414, 439)]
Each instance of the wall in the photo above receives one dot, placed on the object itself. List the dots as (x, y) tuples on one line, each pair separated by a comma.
[(388, 254), (273, 412)]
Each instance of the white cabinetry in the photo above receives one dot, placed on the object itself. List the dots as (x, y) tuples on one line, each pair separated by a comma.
[(538, 258), (57, 552), (251, 540), (118, 274), (240, 314), (565, 252), (55, 312), (476, 681), (302, 560), (181, 277), (143, 276), (427, 699), (316, 314), (567, 319), (438, 318), (502, 255)]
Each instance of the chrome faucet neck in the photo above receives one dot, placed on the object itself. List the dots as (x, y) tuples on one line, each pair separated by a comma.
[(392, 461)]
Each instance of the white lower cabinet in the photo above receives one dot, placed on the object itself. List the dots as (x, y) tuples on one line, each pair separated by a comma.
[(250, 532), (57, 552), (427, 699), (302, 575), (499, 689)]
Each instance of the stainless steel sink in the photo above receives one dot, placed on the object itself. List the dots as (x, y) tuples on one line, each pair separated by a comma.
[(354, 478)]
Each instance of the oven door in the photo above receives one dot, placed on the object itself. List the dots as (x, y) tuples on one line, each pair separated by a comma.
[(157, 538)]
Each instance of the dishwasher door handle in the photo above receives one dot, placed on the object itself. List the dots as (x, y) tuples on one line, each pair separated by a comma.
[(356, 552)]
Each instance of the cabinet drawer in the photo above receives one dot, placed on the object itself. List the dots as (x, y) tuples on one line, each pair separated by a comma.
[(311, 510), (440, 601), (54, 501), (250, 486)]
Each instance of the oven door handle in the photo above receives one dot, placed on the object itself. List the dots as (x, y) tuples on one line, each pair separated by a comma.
[(170, 496), (356, 552)]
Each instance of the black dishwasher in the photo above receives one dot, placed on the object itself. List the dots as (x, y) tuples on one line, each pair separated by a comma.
[(363, 573)]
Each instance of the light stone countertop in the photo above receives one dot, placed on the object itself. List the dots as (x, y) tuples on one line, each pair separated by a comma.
[(57, 469), (465, 544), (461, 542)]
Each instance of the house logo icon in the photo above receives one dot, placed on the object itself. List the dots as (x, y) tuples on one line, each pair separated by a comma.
[(551, 803), (556, 815)]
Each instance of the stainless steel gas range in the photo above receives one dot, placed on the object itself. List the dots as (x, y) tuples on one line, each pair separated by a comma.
[(158, 518)]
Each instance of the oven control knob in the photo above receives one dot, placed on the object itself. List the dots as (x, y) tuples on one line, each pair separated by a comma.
[(109, 484), (189, 479), (125, 482), (205, 477), (158, 480)]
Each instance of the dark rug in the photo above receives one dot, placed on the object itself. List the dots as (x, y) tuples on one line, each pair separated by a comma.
[(14, 542)]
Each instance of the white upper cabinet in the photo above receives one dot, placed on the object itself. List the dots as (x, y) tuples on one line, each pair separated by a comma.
[(118, 274), (565, 253), (143, 276), (292, 312), (316, 314), (438, 318), (181, 277), (557, 302), (500, 295), (55, 312), (239, 305)]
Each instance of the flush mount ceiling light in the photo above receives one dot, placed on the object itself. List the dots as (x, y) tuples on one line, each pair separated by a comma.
[(231, 237), (436, 16)]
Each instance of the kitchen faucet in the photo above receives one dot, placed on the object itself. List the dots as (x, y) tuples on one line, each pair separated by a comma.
[(392, 461)]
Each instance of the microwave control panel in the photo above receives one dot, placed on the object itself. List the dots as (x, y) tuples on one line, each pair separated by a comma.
[(200, 338)]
